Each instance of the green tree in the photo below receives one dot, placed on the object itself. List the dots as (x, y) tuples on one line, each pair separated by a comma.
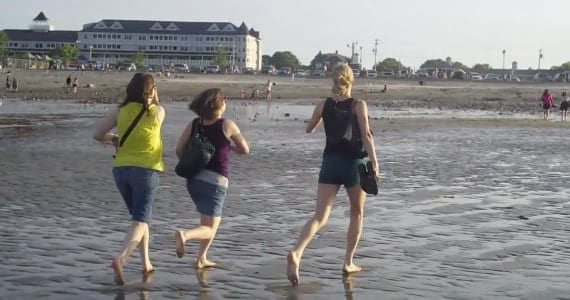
[(285, 59), (481, 68), (222, 58), (563, 67), (3, 44), (389, 64), (433, 63), (138, 59), (459, 65), (266, 60), (66, 53)]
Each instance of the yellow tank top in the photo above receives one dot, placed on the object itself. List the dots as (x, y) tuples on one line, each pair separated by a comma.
[(143, 146)]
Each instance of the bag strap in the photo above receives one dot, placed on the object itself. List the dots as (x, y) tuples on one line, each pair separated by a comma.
[(131, 127)]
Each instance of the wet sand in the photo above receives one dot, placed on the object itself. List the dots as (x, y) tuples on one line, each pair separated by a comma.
[(469, 208)]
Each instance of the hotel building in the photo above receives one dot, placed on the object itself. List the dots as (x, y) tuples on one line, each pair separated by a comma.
[(196, 44)]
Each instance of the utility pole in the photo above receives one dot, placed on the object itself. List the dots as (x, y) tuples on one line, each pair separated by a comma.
[(504, 51), (375, 50), (539, 58)]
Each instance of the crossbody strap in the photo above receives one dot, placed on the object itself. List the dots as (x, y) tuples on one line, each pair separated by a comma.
[(131, 127)]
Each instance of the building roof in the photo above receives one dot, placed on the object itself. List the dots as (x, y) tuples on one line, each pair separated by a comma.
[(41, 17), (62, 36), (170, 27)]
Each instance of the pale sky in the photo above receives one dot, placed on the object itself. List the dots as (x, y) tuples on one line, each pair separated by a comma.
[(409, 30)]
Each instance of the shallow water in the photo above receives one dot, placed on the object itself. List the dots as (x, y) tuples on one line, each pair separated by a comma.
[(464, 212)]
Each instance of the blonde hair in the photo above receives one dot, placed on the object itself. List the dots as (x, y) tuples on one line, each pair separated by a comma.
[(342, 79)]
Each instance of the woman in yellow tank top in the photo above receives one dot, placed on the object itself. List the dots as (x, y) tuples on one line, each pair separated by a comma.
[(137, 164)]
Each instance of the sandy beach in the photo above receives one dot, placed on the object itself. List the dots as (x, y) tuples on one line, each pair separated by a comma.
[(473, 202)]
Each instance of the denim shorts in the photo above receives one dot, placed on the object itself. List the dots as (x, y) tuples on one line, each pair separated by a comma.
[(340, 169), (138, 187), (209, 198)]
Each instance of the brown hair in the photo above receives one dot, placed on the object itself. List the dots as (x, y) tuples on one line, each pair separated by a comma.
[(139, 89), (208, 103)]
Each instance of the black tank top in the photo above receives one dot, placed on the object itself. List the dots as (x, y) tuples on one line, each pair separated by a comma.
[(336, 116)]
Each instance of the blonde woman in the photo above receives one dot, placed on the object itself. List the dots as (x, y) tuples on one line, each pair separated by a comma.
[(339, 167), (137, 164), (208, 188)]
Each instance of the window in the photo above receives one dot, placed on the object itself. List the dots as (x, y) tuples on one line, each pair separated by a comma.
[(151, 37)]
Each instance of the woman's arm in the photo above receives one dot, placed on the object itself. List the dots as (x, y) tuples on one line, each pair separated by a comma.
[(316, 118), (183, 140), (233, 132), (102, 133), (366, 134)]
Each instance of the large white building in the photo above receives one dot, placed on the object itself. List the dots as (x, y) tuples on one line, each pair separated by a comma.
[(196, 44)]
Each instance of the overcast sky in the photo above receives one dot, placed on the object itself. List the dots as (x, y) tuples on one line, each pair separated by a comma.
[(409, 30)]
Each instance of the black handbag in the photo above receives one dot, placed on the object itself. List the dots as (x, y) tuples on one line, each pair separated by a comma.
[(197, 153)]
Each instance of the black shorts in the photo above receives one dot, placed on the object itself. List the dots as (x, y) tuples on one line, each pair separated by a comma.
[(546, 106)]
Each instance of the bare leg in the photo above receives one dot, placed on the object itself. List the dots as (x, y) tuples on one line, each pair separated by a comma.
[(326, 194), (357, 199), (205, 232), (132, 240), (143, 250), (212, 222)]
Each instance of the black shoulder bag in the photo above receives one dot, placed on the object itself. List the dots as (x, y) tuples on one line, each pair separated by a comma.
[(130, 129), (197, 153)]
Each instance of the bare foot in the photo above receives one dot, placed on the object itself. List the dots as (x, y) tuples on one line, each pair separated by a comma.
[(118, 268), (180, 246), (147, 276), (352, 268), (293, 269), (204, 263)]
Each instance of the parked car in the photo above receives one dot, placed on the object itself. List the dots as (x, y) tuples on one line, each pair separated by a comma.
[(250, 70), (127, 66), (285, 71), (181, 68), (356, 73), (213, 69), (318, 73), (371, 73), (387, 74), (476, 76), (494, 77)]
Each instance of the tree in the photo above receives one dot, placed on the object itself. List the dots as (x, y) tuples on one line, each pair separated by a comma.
[(138, 59), (481, 68), (66, 53), (285, 59), (221, 58), (459, 65), (563, 67), (3, 44), (266, 60), (433, 63), (389, 64)]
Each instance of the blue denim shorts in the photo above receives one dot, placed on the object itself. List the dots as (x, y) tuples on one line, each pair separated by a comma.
[(138, 187), (209, 198), (340, 169)]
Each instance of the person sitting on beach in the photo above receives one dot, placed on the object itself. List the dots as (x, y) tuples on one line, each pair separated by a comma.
[(208, 188), (547, 103), (137, 164), (339, 167), (564, 104)]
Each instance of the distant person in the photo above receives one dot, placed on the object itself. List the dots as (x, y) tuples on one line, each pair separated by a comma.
[(75, 84), (269, 88), (547, 103), (8, 83), (208, 188), (137, 164), (564, 104), (339, 167), (14, 84), (68, 83)]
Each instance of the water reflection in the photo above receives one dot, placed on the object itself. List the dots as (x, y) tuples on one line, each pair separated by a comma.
[(142, 289)]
